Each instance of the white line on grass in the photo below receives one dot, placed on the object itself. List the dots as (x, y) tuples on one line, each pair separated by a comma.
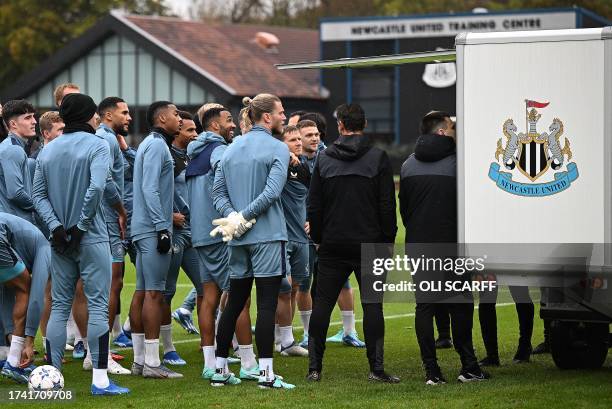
[(177, 286), (388, 317)]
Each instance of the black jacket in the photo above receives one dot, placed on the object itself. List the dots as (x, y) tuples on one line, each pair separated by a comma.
[(352, 194), (428, 191)]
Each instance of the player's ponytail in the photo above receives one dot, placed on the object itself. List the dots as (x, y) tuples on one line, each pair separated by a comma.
[(246, 112), (259, 105), (245, 120)]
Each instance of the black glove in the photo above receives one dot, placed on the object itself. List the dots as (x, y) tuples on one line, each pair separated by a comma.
[(163, 241), (76, 235), (59, 240)]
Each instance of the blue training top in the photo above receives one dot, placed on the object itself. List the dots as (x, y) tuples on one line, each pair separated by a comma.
[(69, 184), (15, 179), (116, 169), (129, 156), (205, 152), (250, 179), (153, 188)]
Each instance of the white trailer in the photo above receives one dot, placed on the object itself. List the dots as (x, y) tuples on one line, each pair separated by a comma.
[(534, 157), (534, 154)]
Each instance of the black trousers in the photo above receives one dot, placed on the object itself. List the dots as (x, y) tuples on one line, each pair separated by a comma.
[(267, 299), (336, 263), (462, 317), (313, 260), (443, 321), (487, 315)]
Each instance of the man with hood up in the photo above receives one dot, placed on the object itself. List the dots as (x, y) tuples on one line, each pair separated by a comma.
[(69, 187), (428, 206), (351, 201), (206, 153)]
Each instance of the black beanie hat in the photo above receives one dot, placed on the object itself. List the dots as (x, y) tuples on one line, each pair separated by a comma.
[(77, 108)]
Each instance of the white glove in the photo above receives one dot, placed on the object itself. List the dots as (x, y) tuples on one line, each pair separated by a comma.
[(242, 224), (232, 226), (224, 228)]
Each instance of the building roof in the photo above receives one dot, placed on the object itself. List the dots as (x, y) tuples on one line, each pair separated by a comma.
[(222, 57), (228, 53)]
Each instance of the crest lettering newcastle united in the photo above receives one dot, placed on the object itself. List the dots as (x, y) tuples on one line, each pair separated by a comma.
[(535, 155)]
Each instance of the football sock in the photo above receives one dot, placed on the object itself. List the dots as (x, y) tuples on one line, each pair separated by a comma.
[(117, 326), (151, 347), (305, 317), (247, 356), (286, 338), (209, 357), (240, 290), (100, 378), (166, 335), (4, 350), (265, 365), (221, 363), (348, 321), (139, 348), (14, 355), (126, 325)]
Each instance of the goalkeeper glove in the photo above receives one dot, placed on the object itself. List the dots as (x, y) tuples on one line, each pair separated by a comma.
[(232, 226)]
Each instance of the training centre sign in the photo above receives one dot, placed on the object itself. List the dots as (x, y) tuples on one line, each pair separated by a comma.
[(444, 26)]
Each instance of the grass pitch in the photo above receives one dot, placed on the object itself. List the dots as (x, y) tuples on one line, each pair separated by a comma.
[(344, 384), (538, 384)]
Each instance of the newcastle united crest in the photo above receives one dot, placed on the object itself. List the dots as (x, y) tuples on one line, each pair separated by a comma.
[(536, 155), (440, 75)]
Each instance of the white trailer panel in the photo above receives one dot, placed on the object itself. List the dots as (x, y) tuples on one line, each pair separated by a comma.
[(570, 71)]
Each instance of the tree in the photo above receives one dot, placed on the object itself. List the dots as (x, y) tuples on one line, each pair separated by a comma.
[(280, 12), (307, 13), (32, 30), (301, 13), (395, 7)]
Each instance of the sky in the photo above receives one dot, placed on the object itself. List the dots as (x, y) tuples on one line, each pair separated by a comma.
[(180, 7)]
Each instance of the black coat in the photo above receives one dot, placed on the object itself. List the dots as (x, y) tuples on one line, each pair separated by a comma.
[(352, 194), (428, 191)]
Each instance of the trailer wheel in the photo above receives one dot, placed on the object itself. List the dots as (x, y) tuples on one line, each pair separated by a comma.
[(562, 338), (597, 335), (578, 345)]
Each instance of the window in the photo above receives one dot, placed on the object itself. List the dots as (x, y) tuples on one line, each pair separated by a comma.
[(373, 90), (118, 67)]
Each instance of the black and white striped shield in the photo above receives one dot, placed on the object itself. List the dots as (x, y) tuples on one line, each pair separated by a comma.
[(533, 160)]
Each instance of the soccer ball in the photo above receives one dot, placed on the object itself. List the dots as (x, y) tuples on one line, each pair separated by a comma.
[(46, 378)]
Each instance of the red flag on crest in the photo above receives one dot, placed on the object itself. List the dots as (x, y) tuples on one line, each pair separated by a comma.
[(535, 104)]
